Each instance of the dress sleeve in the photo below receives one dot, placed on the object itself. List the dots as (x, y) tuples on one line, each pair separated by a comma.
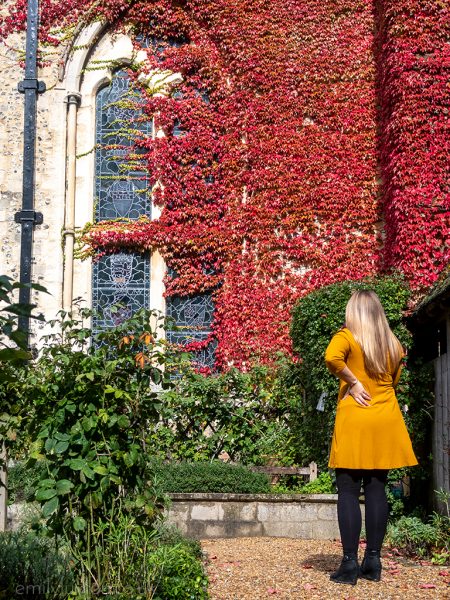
[(337, 352), (396, 375)]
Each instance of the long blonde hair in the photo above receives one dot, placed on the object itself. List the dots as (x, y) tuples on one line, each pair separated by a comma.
[(366, 319)]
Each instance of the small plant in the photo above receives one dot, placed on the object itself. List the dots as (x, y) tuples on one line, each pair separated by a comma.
[(179, 574), (322, 485), (23, 480), (411, 534)]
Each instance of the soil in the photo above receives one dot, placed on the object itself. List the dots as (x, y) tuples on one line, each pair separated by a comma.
[(280, 568)]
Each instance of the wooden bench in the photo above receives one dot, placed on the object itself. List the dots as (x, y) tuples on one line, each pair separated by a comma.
[(276, 472)]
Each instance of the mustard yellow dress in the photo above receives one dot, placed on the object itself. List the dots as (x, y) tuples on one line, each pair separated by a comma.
[(373, 437)]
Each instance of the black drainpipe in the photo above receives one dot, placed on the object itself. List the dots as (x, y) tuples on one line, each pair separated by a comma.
[(28, 217)]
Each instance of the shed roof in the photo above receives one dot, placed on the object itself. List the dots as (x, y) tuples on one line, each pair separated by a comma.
[(437, 301)]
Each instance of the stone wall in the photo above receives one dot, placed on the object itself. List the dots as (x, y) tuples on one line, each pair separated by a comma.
[(49, 174), (204, 516)]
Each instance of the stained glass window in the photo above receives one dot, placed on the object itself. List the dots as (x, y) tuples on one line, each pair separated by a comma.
[(193, 316), (123, 279), (121, 191)]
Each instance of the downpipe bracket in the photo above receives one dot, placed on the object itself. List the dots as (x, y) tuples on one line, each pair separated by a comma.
[(31, 84)]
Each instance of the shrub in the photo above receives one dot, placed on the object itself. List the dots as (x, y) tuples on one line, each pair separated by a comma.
[(179, 574), (412, 535), (33, 566), (206, 477), (134, 562), (242, 414), (322, 485)]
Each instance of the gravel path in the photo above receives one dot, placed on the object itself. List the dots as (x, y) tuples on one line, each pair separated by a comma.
[(280, 568)]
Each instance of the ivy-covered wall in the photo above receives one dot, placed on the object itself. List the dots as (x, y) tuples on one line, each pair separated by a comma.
[(305, 145)]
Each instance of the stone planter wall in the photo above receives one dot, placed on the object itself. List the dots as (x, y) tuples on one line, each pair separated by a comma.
[(204, 516)]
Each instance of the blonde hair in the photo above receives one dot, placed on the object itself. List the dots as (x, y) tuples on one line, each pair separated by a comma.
[(366, 319)]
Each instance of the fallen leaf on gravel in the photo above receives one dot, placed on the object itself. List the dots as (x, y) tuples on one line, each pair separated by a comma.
[(444, 573), (272, 591), (309, 586), (213, 557), (307, 566), (427, 586)]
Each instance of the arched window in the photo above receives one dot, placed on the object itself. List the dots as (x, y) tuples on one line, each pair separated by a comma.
[(122, 278)]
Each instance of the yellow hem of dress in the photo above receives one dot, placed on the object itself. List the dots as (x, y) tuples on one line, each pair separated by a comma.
[(377, 467)]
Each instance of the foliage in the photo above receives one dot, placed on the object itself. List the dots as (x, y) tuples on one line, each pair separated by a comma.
[(135, 561), (262, 219), (13, 340), (33, 566), (412, 79), (417, 538), (205, 477), (316, 318), (85, 408), (181, 575), (23, 480), (322, 485), (244, 415)]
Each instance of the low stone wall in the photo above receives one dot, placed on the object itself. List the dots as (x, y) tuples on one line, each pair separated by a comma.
[(203, 516)]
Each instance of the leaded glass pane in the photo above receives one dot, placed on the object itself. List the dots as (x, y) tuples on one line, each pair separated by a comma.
[(120, 280), (121, 188), (193, 316)]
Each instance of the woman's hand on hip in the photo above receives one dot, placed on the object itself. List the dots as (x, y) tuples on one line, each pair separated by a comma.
[(359, 393)]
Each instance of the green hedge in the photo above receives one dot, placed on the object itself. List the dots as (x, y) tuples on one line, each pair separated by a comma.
[(204, 477)]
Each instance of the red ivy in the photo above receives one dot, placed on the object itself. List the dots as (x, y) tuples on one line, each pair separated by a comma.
[(273, 188)]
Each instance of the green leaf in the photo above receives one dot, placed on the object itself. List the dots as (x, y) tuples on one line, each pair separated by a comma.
[(62, 437), (63, 486), (49, 444), (43, 433), (123, 422), (88, 471), (100, 469), (77, 464), (46, 483), (79, 524), (45, 494), (19, 309), (50, 507), (61, 447)]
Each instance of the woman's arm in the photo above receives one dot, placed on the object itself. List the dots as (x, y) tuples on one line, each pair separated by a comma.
[(356, 388), (335, 357)]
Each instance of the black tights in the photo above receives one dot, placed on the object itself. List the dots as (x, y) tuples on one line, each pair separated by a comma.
[(348, 482)]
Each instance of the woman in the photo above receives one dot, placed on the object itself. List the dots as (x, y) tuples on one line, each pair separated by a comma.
[(370, 436)]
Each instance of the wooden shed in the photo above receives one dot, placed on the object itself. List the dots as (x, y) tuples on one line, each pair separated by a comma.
[(431, 325)]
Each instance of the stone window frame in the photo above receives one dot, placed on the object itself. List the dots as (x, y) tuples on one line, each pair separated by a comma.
[(95, 55)]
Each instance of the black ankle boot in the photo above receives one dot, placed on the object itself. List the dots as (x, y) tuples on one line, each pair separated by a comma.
[(348, 571), (371, 566)]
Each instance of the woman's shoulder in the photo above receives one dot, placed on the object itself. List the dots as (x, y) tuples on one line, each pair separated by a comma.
[(348, 335)]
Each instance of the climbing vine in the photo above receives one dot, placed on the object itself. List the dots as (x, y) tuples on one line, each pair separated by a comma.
[(267, 163)]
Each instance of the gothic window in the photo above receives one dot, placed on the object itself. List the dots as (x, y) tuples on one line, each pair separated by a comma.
[(123, 278)]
